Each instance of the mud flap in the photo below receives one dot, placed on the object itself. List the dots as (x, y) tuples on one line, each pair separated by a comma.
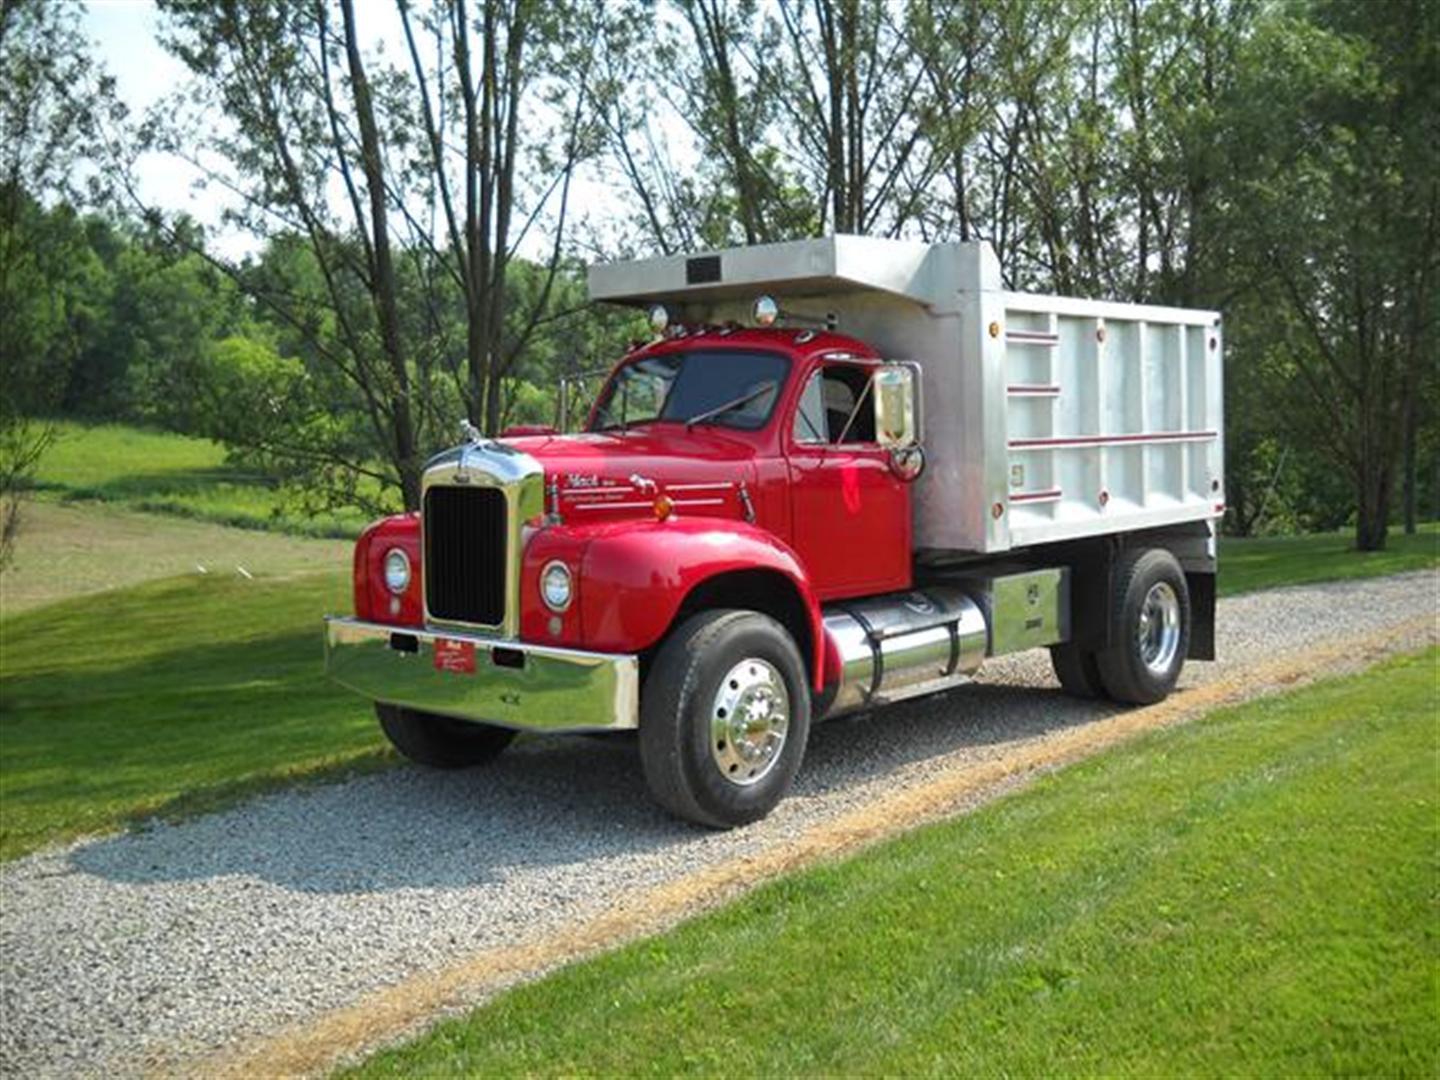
[(1202, 616)]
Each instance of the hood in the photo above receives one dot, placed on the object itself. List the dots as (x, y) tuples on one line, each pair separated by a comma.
[(606, 475)]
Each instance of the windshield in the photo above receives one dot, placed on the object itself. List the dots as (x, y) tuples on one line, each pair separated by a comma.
[(684, 386)]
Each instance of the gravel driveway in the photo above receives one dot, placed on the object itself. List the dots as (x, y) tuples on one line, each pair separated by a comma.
[(185, 939)]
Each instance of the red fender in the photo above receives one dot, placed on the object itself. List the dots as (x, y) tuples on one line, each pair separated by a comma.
[(633, 576), (373, 601)]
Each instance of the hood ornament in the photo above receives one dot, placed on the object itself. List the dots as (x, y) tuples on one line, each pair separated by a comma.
[(641, 483), (473, 439)]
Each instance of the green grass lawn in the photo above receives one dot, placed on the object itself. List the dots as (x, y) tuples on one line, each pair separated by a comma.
[(164, 473), (1250, 564), (174, 695), (1250, 894)]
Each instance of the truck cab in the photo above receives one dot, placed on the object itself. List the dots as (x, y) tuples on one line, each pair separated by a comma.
[(751, 532), (801, 445)]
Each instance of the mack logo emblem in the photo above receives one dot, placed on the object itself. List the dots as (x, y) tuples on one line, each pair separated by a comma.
[(455, 656), (584, 480)]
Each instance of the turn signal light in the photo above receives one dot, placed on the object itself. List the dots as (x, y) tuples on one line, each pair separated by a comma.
[(663, 507)]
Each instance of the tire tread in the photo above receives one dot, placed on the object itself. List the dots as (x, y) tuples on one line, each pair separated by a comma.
[(1078, 671), (670, 688), (1121, 678)]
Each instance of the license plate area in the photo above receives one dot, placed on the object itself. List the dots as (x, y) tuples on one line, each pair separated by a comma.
[(455, 655)]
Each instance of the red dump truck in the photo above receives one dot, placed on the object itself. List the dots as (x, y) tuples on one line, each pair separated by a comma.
[(844, 472)]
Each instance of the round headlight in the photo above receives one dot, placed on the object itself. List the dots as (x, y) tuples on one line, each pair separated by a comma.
[(397, 570), (659, 318), (555, 586)]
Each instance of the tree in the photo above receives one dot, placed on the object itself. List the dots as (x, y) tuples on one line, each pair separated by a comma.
[(497, 70), (1335, 135), (408, 185), (50, 103), (296, 91), (154, 308)]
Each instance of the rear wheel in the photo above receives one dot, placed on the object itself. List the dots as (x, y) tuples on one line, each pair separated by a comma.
[(1150, 628), (724, 718), (441, 742), (1078, 671)]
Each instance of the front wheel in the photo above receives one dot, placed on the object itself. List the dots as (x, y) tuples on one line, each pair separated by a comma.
[(1150, 628), (724, 718), (441, 742)]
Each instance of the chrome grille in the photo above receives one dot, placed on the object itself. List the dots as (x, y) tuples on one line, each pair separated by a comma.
[(465, 559)]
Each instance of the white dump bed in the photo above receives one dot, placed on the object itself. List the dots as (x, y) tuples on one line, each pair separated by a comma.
[(1046, 418)]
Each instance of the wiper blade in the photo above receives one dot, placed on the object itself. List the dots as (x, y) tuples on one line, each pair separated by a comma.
[(720, 410), (623, 425)]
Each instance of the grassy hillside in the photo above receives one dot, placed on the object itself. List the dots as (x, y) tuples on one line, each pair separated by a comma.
[(164, 473), (70, 549), (1252, 894), (171, 695)]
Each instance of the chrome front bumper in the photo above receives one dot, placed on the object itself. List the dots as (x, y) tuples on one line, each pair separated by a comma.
[(514, 685)]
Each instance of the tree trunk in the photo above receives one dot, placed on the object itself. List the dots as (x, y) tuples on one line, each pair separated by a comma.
[(383, 284), (1372, 516), (1408, 489)]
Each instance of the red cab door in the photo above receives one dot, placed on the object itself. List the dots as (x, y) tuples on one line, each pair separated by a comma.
[(850, 515)]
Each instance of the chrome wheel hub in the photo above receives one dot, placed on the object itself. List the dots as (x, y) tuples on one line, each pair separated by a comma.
[(749, 719), (1159, 628)]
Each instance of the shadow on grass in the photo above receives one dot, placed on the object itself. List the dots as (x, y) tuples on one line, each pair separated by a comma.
[(217, 495), (191, 481)]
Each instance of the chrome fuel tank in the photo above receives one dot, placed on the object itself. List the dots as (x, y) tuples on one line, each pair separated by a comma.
[(904, 644)]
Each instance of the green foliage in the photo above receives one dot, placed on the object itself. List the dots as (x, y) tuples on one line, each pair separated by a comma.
[(1249, 894), (141, 701), (50, 108), (1334, 142), (244, 379), (53, 290), (167, 311)]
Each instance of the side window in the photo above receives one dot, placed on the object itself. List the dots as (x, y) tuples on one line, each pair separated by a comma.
[(827, 402), (810, 416)]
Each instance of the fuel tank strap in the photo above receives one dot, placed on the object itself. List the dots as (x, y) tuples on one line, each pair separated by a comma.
[(877, 655), (954, 627)]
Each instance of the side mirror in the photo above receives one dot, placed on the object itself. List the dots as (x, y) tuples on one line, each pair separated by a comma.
[(897, 406)]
